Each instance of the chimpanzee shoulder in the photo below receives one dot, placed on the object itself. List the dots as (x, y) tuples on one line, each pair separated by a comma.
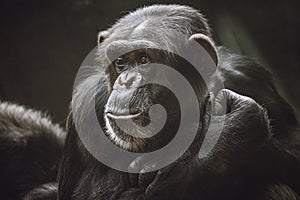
[(248, 77)]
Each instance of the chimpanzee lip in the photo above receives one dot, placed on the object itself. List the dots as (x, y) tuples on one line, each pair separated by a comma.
[(122, 115)]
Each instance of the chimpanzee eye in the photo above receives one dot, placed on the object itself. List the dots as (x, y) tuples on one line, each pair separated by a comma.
[(119, 64), (144, 59)]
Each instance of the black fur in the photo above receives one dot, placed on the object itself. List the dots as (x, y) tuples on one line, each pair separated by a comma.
[(30, 150)]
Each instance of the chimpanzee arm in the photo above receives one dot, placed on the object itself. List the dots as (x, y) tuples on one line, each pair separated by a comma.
[(245, 131), (30, 150), (247, 160)]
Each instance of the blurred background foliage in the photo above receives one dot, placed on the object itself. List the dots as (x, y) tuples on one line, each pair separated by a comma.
[(43, 42)]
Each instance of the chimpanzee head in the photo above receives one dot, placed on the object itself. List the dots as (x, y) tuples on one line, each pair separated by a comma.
[(132, 49)]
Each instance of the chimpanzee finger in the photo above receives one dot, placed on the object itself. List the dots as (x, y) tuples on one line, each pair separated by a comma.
[(226, 101)]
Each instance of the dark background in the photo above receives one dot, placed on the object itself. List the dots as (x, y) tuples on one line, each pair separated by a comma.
[(43, 43)]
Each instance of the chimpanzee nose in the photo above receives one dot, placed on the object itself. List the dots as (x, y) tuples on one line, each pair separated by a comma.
[(129, 79)]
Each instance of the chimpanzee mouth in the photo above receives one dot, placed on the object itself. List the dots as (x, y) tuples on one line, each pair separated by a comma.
[(120, 116), (123, 132), (139, 117)]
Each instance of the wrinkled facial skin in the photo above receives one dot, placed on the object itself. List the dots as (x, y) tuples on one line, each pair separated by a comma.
[(126, 87), (131, 99)]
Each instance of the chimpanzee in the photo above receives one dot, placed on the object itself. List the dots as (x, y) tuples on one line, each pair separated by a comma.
[(256, 154), (30, 149)]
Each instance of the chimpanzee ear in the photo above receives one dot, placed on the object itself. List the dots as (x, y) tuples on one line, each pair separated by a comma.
[(207, 44), (102, 36)]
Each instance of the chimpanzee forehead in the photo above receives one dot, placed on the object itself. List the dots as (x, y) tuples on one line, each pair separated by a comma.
[(145, 30)]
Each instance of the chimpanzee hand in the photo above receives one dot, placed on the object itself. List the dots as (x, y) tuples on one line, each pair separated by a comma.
[(244, 132), (246, 127)]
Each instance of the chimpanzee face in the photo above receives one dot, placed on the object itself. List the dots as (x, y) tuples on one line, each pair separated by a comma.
[(131, 99)]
